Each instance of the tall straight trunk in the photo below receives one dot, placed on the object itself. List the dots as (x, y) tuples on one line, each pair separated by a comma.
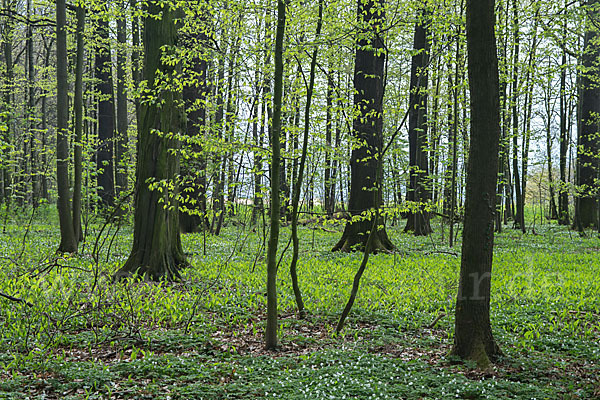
[(419, 192), (230, 121), (588, 141), (328, 203), (435, 137), (7, 44), (33, 150), (301, 167), (218, 159), (367, 129), (552, 210), (257, 203), (78, 106), (528, 115), (473, 338), (272, 323), (106, 113), (121, 140), (68, 240), (563, 193), (156, 252), (515, 123), (454, 141), (135, 54), (194, 213), (503, 172)]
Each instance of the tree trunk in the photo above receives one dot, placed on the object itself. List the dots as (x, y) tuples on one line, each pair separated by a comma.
[(473, 339), (193, 216), (563, 193), (78, 145), (156, 252), (367, 132), (121, 161), (272, 324), (68, 240), (588, 150), (106, 113), (418, 191), (515, 124)]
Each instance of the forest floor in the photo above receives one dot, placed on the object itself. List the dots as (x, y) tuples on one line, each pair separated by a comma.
[(75, 334)]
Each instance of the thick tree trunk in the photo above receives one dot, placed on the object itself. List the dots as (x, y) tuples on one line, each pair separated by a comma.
[(106, 115), (588, 150), (156, 252), (193, 216), (68, 241), (473, 339), (419, 191), (367, 132)]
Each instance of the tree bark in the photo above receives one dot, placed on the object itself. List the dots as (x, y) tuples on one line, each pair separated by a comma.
[(271, 342), (419, 191), (473, 339), (156, 252), (68, 241), (367, 133), (106, 113), (121, 141), (588, 150), (78, 145)]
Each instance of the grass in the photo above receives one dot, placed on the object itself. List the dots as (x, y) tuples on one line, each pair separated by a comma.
[(76, 335)]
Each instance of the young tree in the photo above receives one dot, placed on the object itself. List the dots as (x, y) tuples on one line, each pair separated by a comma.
[(78, 105), (271, 330), (367, 132), (473, 339), (156, 252)]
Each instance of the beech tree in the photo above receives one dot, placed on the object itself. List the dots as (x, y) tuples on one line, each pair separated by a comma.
[(588, 140), (367, 132), (156, 252), (68, 241), (473, 338)]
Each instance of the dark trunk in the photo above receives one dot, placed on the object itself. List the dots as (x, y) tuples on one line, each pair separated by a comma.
[(121, 159), (68, 241), (78, 145), (156, 252), (367, 132), (588, 149), (419, 192), (473, 339), (106, 114)]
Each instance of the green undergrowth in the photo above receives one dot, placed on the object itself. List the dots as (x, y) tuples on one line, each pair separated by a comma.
[(71, 333)]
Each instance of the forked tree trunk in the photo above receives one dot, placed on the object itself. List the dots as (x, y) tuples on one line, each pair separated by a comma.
[(156, 252), (473, 339), (367, 133)]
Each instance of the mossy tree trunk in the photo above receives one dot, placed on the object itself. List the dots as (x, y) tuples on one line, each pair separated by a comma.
[(156, 252), (473, 339), (367, 133)]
